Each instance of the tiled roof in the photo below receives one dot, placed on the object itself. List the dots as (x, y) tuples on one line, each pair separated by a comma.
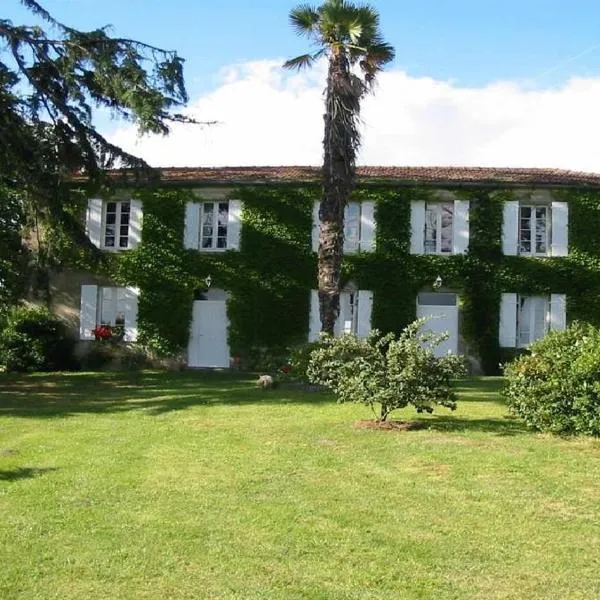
[(396, 175)]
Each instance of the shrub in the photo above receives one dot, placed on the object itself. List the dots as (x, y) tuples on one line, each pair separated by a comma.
[(34, 340), (388, 371), (556, 387)]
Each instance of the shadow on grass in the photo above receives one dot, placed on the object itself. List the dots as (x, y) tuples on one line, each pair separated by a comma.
[(506, 426), (66, 394), (23, 473)]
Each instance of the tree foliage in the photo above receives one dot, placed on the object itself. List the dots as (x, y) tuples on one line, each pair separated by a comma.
[(389, 371), (53, 81), (348, 36)]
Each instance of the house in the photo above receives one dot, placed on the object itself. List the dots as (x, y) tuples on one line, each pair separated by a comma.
[(220, 263)]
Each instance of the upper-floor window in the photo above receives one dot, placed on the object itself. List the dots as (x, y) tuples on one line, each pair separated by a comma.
[(359, 227), (536, 227), (439, 227), (114, 224), (115, 231), (439, 217), (213, 226), (214, 219)]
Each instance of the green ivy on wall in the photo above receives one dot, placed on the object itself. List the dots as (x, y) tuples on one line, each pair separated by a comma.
[(269, 278)]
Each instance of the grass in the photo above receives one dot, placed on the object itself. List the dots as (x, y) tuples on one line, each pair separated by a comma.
[(196, 485)]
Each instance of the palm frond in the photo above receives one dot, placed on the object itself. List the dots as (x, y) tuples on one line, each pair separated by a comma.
[(304, 19), (300, 62)]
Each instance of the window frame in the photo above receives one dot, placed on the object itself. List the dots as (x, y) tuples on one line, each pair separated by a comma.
[(215, 226), (118, 317), (521, 298), (533, 229), (438, 206), (117, 224)]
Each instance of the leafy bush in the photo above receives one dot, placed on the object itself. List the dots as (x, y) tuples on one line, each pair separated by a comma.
[(34, 340), (556, 387), (386, 370)]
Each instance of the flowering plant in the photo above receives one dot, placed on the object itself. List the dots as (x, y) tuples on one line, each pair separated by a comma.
[(102, 332)]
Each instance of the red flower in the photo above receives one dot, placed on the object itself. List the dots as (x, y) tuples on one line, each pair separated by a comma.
[(285, 369), (102, 332)]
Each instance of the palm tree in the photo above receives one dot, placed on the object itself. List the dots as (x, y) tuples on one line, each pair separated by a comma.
[(348, 35)]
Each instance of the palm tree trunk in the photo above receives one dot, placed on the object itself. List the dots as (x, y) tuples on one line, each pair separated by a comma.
[(339, 145)]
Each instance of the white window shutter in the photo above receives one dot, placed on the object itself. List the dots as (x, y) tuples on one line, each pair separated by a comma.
[(417, 226), (191, 230), (367, 226), (135, 224), (510, 228), (365, 308), (87, 312), (130, 305), (316, 224), (460, 227), (234, 225), (558, 312), (508, 321), (93, 221), (314, 323), (351, 244), (560, 229), (343, 323)]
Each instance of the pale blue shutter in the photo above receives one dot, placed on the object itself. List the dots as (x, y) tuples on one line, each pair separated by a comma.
[(417, 226), (367, 226), (508, 321), (365, 309), (234, 225), (191, 229), (314, 320), (93, 221), (510, 228), (560, 229), (558, 312), (130, 308), (87, 311), (135, 224), (460, 227)]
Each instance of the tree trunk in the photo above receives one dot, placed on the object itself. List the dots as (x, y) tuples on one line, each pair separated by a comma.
[(339, 145)]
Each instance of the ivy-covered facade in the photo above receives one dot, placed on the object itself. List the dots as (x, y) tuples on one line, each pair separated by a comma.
[(464, 220)]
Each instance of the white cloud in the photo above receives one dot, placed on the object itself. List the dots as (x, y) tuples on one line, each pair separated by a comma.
[(271, 117)]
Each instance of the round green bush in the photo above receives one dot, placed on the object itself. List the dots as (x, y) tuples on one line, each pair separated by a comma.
[(34, 340), (556, 387)]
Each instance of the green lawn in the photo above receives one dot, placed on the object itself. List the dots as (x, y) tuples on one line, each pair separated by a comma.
[(194, 485)]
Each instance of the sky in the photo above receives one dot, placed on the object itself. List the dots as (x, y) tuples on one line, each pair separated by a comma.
[(511, 83)]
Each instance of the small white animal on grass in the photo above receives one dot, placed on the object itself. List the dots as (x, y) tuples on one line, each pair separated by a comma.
[(265, 382)]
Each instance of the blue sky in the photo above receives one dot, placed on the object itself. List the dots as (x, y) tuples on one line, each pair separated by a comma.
[(488, 82), (470, 42)]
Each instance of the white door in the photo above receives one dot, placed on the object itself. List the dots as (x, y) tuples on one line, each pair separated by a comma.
[(208, 336), (443, 310)]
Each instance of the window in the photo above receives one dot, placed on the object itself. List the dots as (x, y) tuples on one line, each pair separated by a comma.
[(116, 224), (534, 230), (359, 227), (533, 319), (214, 218), (111, 306), (354, 317), (351, 226), (535, 227), (439, 218), (348, 319)]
